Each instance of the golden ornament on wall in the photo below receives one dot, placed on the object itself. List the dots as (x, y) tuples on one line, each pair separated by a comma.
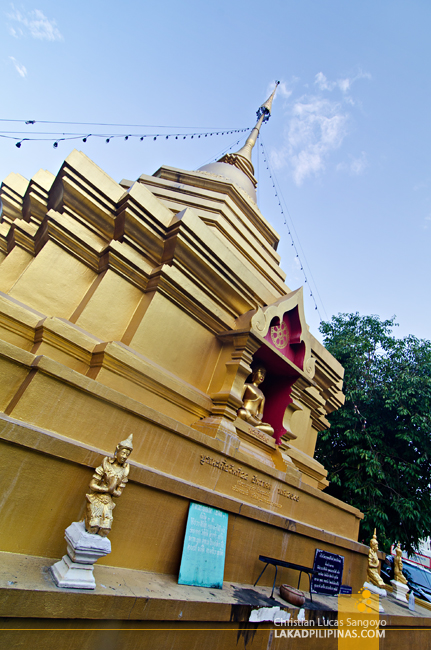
[(280, 335)]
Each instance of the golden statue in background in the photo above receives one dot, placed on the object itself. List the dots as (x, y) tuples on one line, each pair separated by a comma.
[(373, 574), (108, 482), (398, 566), (253, 402)]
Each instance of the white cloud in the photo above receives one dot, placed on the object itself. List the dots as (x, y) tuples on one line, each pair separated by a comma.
[(322, 83), (346, 84), (427, 223), (35, 23), (342, 84), (295, 271), (21, 69), (316, 126), (356, 166), (16, 33), (283, 90)]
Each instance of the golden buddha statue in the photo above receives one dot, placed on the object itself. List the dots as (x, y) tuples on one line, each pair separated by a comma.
[(253, 402), (108, 482), (373, 574), (398, 566)]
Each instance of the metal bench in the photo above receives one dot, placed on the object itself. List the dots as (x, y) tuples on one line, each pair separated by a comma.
[(286, 565)]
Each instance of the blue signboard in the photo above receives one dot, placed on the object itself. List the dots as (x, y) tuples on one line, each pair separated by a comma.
[(202, 563), (330, 567)]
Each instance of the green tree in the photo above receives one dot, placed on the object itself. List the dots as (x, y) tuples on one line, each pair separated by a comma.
[(378, 449)]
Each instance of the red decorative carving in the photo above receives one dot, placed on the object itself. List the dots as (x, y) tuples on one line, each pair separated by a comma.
[(286, 337)]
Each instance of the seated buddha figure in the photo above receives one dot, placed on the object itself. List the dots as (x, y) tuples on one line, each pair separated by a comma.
[(253, 402)]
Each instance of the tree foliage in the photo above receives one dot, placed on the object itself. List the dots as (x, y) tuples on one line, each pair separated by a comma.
[(378, 449)]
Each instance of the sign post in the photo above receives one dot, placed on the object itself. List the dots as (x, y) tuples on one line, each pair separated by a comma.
[(202, 562), (330, 567)]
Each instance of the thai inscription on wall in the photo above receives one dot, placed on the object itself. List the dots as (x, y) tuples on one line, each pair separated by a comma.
[(251, 485)]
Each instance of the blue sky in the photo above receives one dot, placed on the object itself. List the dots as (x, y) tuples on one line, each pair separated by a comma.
[(348, 141)]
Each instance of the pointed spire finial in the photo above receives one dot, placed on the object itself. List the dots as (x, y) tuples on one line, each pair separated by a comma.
[(242, 158), (265, 109)]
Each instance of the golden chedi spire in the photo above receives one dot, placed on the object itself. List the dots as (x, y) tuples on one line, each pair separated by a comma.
[(228, 165), (242, 158)]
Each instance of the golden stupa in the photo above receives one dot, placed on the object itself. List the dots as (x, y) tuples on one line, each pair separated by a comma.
[(142, 307)]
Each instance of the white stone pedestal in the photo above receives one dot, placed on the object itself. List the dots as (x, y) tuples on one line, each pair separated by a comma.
[(376, 590), (75, 570), (399, 590)]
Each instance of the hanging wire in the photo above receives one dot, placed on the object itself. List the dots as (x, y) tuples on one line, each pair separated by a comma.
[(221, 153), (135, 126), (62, 137), (290, 228)]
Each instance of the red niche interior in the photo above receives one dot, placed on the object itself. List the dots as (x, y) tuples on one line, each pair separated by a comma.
[(277, 387)]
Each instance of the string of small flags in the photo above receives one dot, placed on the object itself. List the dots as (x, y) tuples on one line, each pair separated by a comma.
[(278, 196), (56, 137)]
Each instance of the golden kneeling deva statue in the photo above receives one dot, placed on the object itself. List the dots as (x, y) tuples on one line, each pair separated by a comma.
[(253, 402), (398, 566), (373, 574), (108, 482)]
